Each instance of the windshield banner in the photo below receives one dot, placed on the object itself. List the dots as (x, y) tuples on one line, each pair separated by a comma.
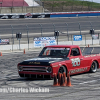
[(44, 41)]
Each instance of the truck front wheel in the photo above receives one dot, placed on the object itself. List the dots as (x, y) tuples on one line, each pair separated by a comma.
[(93, 68), (62, 69)]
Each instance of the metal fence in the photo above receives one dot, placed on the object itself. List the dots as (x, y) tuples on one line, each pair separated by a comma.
[(66, 32)]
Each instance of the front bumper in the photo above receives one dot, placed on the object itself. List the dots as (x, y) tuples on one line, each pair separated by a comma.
[(36, 71), (35, 76)]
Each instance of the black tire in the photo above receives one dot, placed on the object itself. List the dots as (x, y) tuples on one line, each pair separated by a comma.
[(94, 66), (62, 69)]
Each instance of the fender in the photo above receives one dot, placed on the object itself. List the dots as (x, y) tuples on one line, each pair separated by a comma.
[(62, 64), (96, 61)]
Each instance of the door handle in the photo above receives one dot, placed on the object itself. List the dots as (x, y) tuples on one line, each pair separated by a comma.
[(81, 59)]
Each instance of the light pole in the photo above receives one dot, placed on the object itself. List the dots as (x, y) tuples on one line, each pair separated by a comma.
[(1, 6)]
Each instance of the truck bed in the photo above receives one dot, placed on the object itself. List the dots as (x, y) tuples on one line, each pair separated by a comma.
[(90, 50)]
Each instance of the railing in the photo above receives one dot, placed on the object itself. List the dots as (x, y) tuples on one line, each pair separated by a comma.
[(66, 32)]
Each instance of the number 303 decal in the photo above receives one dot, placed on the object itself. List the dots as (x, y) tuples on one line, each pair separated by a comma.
[(75, 62)]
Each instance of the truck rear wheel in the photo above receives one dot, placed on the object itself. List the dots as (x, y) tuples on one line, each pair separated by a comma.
[(94, 66), (62, 69)]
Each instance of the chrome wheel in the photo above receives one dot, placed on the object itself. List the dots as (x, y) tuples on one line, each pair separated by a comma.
[(93, 68)]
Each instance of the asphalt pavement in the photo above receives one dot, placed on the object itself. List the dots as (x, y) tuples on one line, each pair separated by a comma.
[(42, 26), (84, 86)]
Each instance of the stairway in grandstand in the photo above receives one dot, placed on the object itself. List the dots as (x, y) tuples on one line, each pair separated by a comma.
[(31, 3)]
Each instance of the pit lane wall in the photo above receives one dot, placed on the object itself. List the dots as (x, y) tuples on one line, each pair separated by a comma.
[(49, 15), (31, 45), (75, 14)]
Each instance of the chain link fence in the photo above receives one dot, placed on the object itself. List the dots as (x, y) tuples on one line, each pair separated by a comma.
[(66, 32)]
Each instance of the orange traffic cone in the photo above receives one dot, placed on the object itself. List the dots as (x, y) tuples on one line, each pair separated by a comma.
[(59, 79), (0, 53), (64, 76), (55, 80), (62, 81), (24, 51), (68, 80)]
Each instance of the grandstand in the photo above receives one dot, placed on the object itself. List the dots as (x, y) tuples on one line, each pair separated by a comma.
[(20, 6)]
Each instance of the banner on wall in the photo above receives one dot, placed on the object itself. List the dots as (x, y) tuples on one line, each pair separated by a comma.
[(28, 15), (4, 41), (95, 36), (77, 37), (44, 41)]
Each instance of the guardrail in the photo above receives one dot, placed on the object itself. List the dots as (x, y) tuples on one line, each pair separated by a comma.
[(24, 15), (75, 14), (49, 15)]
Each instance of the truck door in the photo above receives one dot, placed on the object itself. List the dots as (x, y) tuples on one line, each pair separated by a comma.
[(76, 59)]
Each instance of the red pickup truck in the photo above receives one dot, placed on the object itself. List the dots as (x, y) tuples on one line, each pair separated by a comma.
[(58, 59)]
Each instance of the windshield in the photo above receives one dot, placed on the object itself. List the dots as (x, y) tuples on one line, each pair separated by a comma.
[(54, 52)]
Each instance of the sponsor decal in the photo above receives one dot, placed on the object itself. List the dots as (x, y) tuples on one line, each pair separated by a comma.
[(95, 36), (77, 70), (4, 17), (98, 54), (55, 66), (43, 59), (28, 15), (44, 38), (15, 16), (44, 41), (55, 48), (34, 62), (41, 16), (91, 56), (75, 62)]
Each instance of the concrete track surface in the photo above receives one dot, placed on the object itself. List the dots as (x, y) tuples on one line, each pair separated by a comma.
[(48, 26), (84, 86)]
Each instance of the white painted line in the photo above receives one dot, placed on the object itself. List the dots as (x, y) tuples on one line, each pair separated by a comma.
[(24, 34), (88, 82)]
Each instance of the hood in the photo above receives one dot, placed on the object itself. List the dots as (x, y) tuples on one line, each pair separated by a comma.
[(42, 61)]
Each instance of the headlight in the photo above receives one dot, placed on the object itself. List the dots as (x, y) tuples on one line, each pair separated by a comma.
[(48, 69), (20, 68)]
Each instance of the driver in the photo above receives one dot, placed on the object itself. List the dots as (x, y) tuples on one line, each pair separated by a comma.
[(71, 53)]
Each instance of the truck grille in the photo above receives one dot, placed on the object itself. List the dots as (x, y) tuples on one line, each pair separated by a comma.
[(35, 76), (33, 69)]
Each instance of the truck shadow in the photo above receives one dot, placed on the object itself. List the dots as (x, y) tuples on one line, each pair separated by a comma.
[(43, 79), (28, 79)]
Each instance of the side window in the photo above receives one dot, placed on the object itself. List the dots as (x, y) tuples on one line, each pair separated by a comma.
[(47, 52), (75, 52)]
